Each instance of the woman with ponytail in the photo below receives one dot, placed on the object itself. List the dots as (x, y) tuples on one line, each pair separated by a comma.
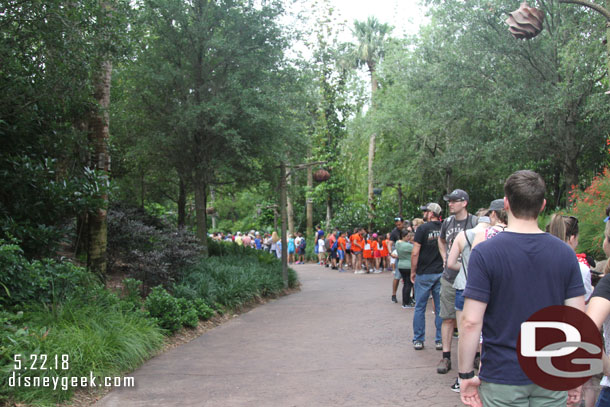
[(566, 228)]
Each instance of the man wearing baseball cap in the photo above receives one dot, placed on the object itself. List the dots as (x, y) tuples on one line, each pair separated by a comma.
[(459, 220), (426, 271)]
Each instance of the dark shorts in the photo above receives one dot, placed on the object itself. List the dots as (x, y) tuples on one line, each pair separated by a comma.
[(459, 300)]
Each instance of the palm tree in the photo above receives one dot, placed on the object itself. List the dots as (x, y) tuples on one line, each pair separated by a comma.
[(371, 37)]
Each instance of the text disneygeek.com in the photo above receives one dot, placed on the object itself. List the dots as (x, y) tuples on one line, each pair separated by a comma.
[(64, 383), (59, 363)]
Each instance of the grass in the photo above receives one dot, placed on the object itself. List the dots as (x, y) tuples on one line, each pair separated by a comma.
[(100, 336)]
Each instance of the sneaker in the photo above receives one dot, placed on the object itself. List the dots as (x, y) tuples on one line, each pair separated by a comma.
[(378, 271), (456, 334), (342, 270), (456, 386), (439, 345), (443, 366), (412, 304), (477, 362), (359, 272), (418, 345), (394, 299), (405, 306)]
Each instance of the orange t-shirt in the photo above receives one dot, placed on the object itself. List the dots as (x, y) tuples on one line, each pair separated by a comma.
[(384, 248), (341, 243), (356, 239), (369, 253)]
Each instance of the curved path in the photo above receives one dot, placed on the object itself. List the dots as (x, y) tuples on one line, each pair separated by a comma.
[(338, 342)]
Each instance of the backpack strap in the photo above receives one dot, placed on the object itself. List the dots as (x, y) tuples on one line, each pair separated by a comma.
[(467, 240)]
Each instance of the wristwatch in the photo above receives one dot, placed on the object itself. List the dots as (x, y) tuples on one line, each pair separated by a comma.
[(465, 376)]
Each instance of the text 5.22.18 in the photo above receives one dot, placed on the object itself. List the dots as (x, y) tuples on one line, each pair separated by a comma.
[(41, 362)]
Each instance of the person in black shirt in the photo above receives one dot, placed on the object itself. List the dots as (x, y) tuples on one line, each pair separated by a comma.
[(426, 271)]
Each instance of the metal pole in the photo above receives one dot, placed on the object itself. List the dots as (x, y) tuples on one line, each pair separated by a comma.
[(284, 219)]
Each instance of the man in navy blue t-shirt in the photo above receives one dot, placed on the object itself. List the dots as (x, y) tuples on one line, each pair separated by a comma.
[(510, 277)]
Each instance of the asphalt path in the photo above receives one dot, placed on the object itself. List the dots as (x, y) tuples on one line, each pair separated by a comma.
[(340, 341)]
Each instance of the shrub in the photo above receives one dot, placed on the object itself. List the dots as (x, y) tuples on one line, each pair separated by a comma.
[(164, 308), (188, 313), (231, 281), (589, 206), (43, 281), (203, 310), (145, 248)]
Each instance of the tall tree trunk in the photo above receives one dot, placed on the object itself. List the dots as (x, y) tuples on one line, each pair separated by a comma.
[(182, 204), (289, 206), (371, 175), (329, 212), (213, 201), (100, 160), (309, 202), (200, 206)]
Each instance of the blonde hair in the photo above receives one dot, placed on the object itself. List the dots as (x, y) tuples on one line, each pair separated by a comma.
[(274, 237), (417, 222)]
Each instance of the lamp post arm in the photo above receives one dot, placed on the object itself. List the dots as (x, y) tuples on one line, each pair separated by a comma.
[(590, 5)]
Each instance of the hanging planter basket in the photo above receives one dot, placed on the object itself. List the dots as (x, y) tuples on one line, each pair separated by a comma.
[(321, 175), (525, 22), (210, 211)]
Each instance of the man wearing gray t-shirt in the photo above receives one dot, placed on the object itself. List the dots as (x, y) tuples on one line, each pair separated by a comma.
[(459, 220)]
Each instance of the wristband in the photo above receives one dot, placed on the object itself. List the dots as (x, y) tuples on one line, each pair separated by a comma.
[(466, 376)]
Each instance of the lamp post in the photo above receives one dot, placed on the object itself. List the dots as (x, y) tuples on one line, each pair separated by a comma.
[(526, 22), (283, 177)]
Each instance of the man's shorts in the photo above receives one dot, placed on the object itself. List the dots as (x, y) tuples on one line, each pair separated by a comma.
[(357, 254), (459, 300), (341, 254), (529, 395), (397, 275), (447, 300)]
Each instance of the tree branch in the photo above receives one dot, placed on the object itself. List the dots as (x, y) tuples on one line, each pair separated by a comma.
[(591, 5)]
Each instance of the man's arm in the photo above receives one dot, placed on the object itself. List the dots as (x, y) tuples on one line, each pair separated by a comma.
[(414, 260), (442, 247), (471, 322), (454, 253), (576, 302)]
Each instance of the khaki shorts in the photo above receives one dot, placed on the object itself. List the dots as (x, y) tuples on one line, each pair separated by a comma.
[(447, 300), (529, 395)]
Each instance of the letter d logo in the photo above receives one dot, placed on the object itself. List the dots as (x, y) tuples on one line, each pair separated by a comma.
[(559, 348)]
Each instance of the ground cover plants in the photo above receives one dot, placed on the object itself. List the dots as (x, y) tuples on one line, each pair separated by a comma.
[(55, 307)]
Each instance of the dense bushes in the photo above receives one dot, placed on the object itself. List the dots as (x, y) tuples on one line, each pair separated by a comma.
[(145, 248), (38, 281), (231, 281)]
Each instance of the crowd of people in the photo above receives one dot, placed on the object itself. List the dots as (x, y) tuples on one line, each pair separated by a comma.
[(486, 273)]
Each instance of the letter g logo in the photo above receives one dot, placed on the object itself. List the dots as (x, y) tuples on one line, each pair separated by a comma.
[(555, 344)]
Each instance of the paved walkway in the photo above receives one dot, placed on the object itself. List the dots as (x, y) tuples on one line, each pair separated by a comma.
[(338, 342)]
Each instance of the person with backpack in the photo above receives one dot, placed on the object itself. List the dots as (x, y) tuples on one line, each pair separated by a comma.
[(459, 220), (301, 248)]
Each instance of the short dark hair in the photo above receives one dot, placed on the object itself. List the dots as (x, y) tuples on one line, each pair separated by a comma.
[(525, 191)]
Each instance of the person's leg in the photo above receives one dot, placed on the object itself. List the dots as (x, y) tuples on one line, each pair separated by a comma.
[(395, 282), (503, 395), (406, 287), (604, 397), (423, 284), (541, 397), (447, 313), (436, 297)]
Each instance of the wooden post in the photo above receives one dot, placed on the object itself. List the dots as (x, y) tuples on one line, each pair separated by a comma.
[(284, 226)]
